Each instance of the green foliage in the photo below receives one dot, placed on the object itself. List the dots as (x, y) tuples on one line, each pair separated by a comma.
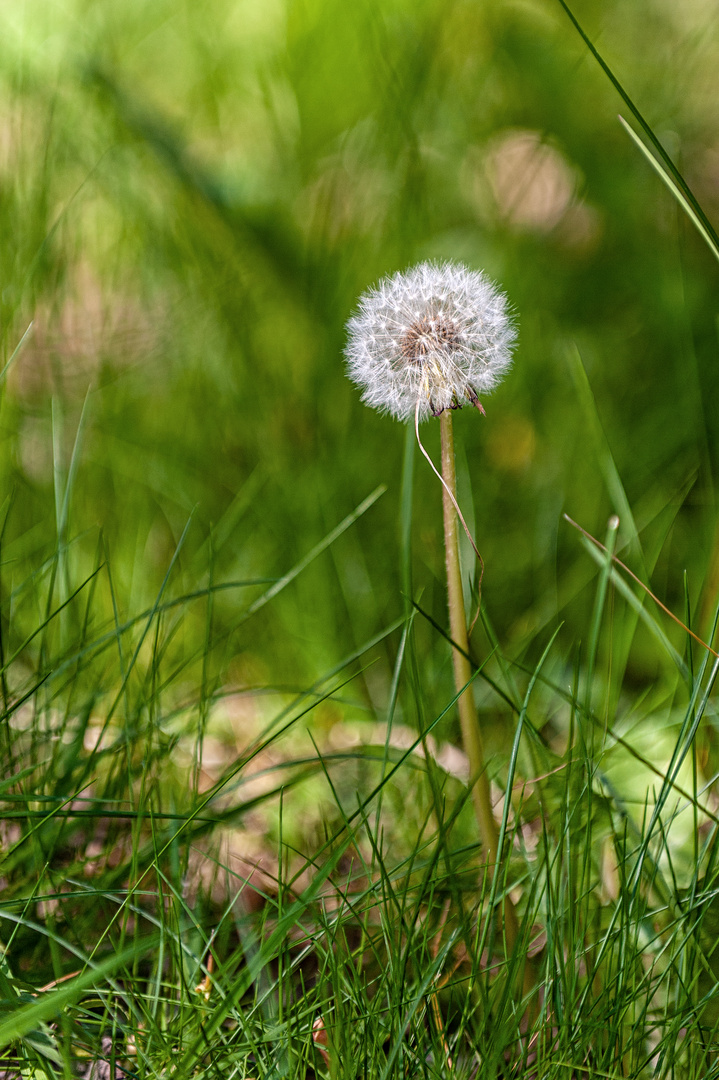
[(236, 838)]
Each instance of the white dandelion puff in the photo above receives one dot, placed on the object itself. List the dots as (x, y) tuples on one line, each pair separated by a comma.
[(424, 342), (429, 339)]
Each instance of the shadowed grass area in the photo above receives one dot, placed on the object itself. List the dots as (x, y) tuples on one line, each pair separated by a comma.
[(236, 836), (231, 878)]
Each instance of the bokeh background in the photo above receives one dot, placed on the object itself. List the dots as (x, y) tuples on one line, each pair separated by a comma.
[(193, 195)]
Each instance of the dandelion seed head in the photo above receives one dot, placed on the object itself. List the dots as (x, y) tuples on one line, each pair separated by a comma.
[(428, 339)]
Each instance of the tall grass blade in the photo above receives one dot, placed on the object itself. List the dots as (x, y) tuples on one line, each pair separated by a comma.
[(688, 199)]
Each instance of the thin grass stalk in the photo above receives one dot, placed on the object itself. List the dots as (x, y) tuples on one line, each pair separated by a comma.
[(469, 721)]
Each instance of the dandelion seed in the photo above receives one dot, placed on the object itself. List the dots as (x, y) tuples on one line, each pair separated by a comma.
[(425, 342), (429, 339)]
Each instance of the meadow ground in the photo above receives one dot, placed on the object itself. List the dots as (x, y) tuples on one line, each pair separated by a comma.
[(236, 833)]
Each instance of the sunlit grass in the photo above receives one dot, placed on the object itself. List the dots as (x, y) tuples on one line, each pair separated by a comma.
[(236, 837), (241, 879)]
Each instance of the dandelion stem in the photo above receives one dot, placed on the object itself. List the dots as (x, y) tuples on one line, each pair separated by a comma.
[(452, 496), (471, 734), (469, 721)]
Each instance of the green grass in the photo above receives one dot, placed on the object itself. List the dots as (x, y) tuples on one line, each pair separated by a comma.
[(236, 838), (128, 898)]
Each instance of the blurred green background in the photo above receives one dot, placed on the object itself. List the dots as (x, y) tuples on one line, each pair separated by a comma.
[(193, 195)]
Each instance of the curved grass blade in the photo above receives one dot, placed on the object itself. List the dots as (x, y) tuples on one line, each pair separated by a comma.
[(678, 183), (687, 205), (23, 1020)]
